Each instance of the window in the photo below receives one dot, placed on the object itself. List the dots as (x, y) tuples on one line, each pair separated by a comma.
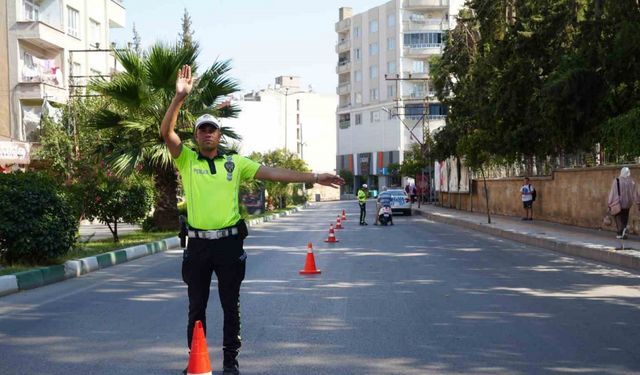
[(356, 54), (95, 33), (373, 94), (391, 67), (356, 31), (357, 76), (73, 22), (391, 43), (30, 10), (358, 98), (374, 116), (391, 91), (297, 104), (373, 49), (391, 20), (76, 69), (373, 71), (418, 66), (297, 119), (358, 118), (423, 40), (373, 26)]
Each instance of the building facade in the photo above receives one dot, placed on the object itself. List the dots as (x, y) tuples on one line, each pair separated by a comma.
[(386, 98), (287, 116), (48, 48)]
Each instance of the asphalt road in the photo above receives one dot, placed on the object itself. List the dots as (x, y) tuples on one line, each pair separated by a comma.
[(415, 298)]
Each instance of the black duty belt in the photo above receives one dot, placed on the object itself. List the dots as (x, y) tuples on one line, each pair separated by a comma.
[(213, 234)]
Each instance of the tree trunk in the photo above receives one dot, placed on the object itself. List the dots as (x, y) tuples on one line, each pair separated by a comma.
[(165, 216), (486, 195)]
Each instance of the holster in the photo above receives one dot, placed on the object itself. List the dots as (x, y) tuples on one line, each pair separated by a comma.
[(243, 230), (184, 230)]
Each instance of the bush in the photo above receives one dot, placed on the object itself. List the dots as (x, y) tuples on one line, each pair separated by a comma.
[(37, 223)]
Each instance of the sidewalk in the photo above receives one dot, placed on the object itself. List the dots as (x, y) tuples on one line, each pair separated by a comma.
[(601, 246)]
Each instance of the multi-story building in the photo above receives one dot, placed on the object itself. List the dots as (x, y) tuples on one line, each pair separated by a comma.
[(287, 116), (46, 48), (386, 97)]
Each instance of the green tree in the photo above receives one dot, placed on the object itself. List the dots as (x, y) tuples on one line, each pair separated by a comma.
[(186, 36), (119, 200), (137, 100), (280, 192)]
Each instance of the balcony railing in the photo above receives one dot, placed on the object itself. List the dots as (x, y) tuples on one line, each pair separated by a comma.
[(343, 46), (429, 117), (343, 67), (344, 124), (343, 25), (422, 50), (431, 25), (344, 88), (425, 4)]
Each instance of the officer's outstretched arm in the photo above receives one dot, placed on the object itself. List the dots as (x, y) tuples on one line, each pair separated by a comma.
[(288, 175)]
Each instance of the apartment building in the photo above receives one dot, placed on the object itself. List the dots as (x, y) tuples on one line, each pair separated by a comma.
[(386, 97), (47, 48), (288, 116)]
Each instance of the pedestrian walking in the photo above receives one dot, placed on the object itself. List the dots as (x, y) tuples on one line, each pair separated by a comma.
[(527, 192), (622, 195), (215, 229), (362, 201)]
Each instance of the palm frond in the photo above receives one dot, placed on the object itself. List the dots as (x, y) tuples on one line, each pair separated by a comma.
[(123, 88), (214, 84), (105, 119), (131, 62), (162, 64)]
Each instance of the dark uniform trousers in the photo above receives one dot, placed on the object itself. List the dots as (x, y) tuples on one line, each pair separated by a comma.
[(363, 211), (227, 259)]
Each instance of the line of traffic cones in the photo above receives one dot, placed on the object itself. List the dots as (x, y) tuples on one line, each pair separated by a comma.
[(310, 263)]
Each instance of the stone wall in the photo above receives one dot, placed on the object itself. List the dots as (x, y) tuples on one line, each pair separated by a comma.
[(569, 196)]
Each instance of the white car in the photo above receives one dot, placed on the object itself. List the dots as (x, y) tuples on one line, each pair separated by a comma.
[(400, 201)]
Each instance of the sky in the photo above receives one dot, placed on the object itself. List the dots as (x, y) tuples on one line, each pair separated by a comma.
[(262, 38)]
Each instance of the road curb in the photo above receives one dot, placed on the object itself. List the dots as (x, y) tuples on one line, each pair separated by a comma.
[(605, 254), (35, 278)]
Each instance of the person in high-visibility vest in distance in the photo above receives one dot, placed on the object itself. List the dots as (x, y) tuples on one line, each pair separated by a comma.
[(362, 201)]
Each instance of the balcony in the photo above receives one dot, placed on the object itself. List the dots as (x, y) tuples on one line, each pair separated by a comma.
[(343, 67), (343, 25), (40, 34), (117, 14), (421, 4), (423, 50), (344, 89), (343, 46), (420, 96), (40, 90), (344, 124), (416, 75), (430, 24)]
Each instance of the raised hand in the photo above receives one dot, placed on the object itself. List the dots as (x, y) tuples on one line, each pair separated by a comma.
[(184, 83)]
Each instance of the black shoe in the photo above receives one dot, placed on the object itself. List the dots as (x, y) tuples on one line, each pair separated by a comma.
[(365, 224), (231, 370), (184, 372)]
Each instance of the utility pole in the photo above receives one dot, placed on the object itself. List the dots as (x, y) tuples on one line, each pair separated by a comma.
[(400, 109)]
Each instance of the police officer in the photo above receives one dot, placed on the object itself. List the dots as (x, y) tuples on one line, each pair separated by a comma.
[(216, 232), (362, 201)]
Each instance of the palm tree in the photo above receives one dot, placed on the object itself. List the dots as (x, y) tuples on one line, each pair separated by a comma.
[(137, 101)]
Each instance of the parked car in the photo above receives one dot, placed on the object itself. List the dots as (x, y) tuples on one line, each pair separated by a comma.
[(400, 201)]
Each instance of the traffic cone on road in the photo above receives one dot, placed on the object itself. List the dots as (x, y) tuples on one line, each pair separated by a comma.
[(199, 362), (332, 235), (338, 223), (344, 215), (310, 264)]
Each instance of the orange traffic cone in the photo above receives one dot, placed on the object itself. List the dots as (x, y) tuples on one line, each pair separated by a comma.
[(199, 362), (338, 223), (344, 215), (332, 235), (310, 264)]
